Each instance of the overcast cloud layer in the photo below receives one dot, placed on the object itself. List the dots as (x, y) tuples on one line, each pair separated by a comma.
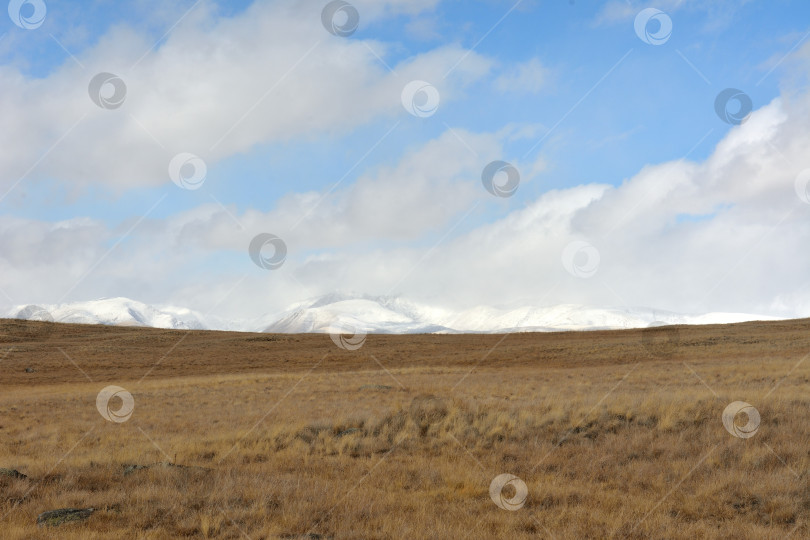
[(724, 232)]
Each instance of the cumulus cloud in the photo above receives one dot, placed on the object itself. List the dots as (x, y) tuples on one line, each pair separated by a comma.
[(725, 234), (429, 188), (425, 190), (215, 88), (684, 236)]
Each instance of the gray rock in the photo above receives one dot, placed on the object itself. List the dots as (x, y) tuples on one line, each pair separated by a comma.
[(129, 469), (54, 518), (12, 473), (375, 387), (167, 465)]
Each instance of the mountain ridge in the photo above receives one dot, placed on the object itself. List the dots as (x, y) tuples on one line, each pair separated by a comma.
[(350, 313)]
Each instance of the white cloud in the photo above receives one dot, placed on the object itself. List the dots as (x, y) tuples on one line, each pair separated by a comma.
[(215, 88), (719, 13), (616, 11), (425, 191), (423, 28), (529, 77), (726, 234), (375, 9)]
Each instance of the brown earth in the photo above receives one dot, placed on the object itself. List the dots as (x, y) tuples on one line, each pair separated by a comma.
[(614, 434)]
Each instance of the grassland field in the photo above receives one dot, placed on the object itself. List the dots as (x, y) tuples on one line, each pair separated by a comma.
[(613, 434)]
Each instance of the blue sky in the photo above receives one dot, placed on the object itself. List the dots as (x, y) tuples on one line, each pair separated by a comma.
[(566, 91)]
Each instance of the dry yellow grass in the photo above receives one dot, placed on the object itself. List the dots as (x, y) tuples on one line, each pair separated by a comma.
[(626, 442)]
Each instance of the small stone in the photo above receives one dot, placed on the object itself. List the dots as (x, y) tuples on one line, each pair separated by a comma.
[(54, 518), (129, 469), (12, 473), (168, 465), (29, 370), (375, 387)]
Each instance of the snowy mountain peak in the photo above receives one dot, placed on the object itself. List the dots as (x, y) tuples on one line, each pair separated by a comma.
[(115, 312), (369, 314)]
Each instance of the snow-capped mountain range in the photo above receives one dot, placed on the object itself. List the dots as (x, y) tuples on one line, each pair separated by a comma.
[(368, 314)]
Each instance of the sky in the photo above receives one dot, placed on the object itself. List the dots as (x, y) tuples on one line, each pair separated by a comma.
[(238, 157)]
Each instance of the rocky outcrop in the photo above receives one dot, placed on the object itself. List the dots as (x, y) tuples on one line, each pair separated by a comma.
[(55, 518)]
